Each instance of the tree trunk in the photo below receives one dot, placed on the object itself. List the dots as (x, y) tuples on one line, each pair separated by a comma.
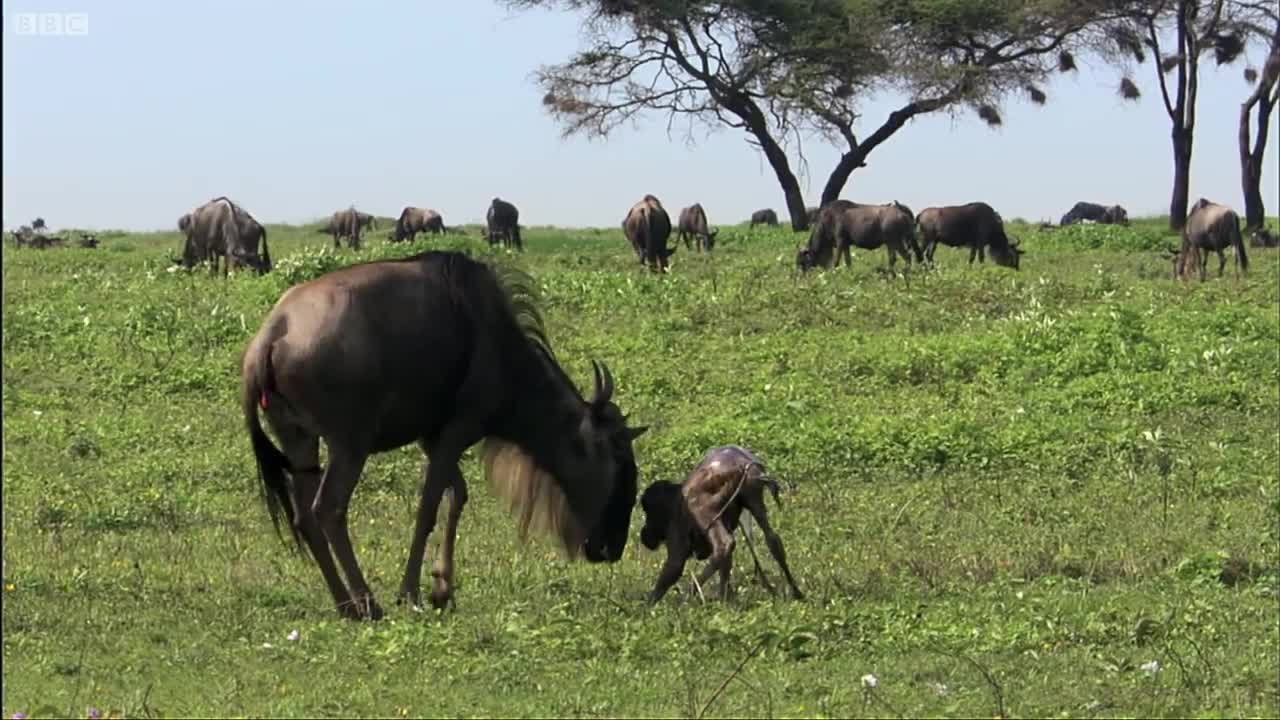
[(787, 179), (1255, 212), (1181, 178), (840, 175)]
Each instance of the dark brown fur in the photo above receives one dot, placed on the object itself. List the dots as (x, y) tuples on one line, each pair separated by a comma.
[(347, 224), (1210, 227), (764, 217), (843, 225), (503, 222), (414, 220), (647, 227), (975, 225), (699, 517), (692, 229), (221, 228), (442, 351), (1114, 215)]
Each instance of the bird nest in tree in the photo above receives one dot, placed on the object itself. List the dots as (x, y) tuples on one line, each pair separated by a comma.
[(989, 115), (1037, 95), (1169, 63), (1250, 75), (1066, 61), (1128, 90)]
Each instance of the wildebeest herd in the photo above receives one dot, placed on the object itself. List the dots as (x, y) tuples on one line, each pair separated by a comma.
[(448, 352)]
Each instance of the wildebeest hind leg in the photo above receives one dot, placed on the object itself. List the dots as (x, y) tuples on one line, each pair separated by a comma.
[(338, 484), (775, 547), (721, 555), (761, 577), (304, 452)]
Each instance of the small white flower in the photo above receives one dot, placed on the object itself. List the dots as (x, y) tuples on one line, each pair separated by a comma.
[(267, 646), (1150, 668), (186, 428), (37, 413), (172, 268), (293, 635), (869, 681), (938, 688)]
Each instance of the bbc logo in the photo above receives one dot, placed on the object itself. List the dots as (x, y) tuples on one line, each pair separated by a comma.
[(51, 24)]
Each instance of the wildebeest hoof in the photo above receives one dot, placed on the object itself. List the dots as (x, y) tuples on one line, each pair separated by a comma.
[(441, 599)]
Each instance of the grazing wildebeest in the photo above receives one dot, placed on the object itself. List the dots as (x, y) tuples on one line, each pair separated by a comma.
[(1114, 215), (1210, 227), (221, 228), (444, 351), (647, 226), (843, 225), (347, 224), (692, 229), (1263, 238), (24, 235), (975, 225), (699, 516), (414, 220), (503, 220), (88, 240), (764, 217)]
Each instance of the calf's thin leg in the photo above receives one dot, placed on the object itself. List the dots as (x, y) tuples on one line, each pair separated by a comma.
[(671, 571), (775, 547), (721, 555)]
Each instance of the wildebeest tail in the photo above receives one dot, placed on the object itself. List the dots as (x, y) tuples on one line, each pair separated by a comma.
[(1237, 240), (272, 464), (266, 251)]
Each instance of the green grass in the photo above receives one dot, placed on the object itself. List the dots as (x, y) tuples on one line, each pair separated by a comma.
[(1011, 489)]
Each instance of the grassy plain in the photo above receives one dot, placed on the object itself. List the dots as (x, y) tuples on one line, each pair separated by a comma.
[(1011, 490)]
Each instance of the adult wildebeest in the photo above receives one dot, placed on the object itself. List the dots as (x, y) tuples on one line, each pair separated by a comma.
[(1114, 215), (221, 228), (692, 229), (414, 220), (1210, 227), (647, 226), (347, 224), (441, 350), (699, 516), (764, 217), (975, 225), (503, 221), (843, 225)]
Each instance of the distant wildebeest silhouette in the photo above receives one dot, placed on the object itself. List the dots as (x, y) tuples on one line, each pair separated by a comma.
[(347, 224), (502, 221), (1114, 215), (443, 351), (843, 225), (414, 220), (975, 225), (699, 516), (222, 229), (1210, 227), (647, 227), (693, 230), (764, 217)]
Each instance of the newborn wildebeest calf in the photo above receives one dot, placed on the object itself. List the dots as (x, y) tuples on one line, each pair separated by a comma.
[(700, 516)]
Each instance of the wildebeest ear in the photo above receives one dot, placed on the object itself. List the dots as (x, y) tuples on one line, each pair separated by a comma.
[(635, 432)]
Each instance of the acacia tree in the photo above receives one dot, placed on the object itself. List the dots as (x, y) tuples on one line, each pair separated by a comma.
[(1179, 34), (1264, 97), (782, 69)]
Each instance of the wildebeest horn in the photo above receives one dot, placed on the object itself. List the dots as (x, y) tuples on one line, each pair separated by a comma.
[(604, 384)]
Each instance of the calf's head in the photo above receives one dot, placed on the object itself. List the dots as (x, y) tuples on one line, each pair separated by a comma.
[(659, 506)]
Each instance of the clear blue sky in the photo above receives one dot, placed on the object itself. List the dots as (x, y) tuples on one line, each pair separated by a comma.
[(294, 114)]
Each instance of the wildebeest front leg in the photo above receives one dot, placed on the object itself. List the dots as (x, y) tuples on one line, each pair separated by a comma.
[(338, 484), (442, 572), (1222, 262), (973, 252), (441, 473)]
